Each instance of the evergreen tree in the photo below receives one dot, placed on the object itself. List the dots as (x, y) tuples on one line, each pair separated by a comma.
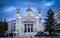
[(3, 27), (50, 21)]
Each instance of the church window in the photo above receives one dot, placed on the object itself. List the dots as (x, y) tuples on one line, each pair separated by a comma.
[(25, 28), (31, 27), (28, 28)]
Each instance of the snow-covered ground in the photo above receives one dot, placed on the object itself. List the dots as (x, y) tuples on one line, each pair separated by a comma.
[(27, 34), (32, 37), (21, 37)]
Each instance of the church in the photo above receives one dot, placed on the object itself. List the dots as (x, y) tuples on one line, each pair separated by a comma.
[(28, 24)]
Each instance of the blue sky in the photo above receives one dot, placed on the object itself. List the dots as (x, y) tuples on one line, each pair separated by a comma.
[(8, 7)]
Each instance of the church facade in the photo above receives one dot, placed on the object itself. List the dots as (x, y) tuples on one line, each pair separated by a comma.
[(28, 24)]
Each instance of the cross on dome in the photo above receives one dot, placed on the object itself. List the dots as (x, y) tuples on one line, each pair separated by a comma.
[(29, 9)]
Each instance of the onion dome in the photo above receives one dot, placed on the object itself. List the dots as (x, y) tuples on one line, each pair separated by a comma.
[(29, 9)]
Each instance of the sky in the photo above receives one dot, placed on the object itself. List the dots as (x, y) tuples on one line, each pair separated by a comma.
[(8, 7)]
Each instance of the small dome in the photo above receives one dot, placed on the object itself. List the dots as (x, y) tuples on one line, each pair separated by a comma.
[(29, 9)]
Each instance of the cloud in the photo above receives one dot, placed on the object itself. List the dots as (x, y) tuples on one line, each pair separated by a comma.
[(9, 9), (49, 3)]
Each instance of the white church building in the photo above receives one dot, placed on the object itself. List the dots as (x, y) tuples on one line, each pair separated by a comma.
[(28, 24)]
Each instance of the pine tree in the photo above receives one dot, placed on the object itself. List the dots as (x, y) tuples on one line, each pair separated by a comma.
[(50, 21)]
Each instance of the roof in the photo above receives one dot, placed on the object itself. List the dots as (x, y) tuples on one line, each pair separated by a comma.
[(29, 9)]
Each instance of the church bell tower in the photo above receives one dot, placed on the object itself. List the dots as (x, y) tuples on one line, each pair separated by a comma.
[(39, 12), (18, 13)]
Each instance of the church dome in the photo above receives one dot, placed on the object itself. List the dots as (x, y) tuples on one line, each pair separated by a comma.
[(29, 9), (29, 12)]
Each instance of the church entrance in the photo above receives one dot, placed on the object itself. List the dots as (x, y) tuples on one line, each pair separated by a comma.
[(28, 27)]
